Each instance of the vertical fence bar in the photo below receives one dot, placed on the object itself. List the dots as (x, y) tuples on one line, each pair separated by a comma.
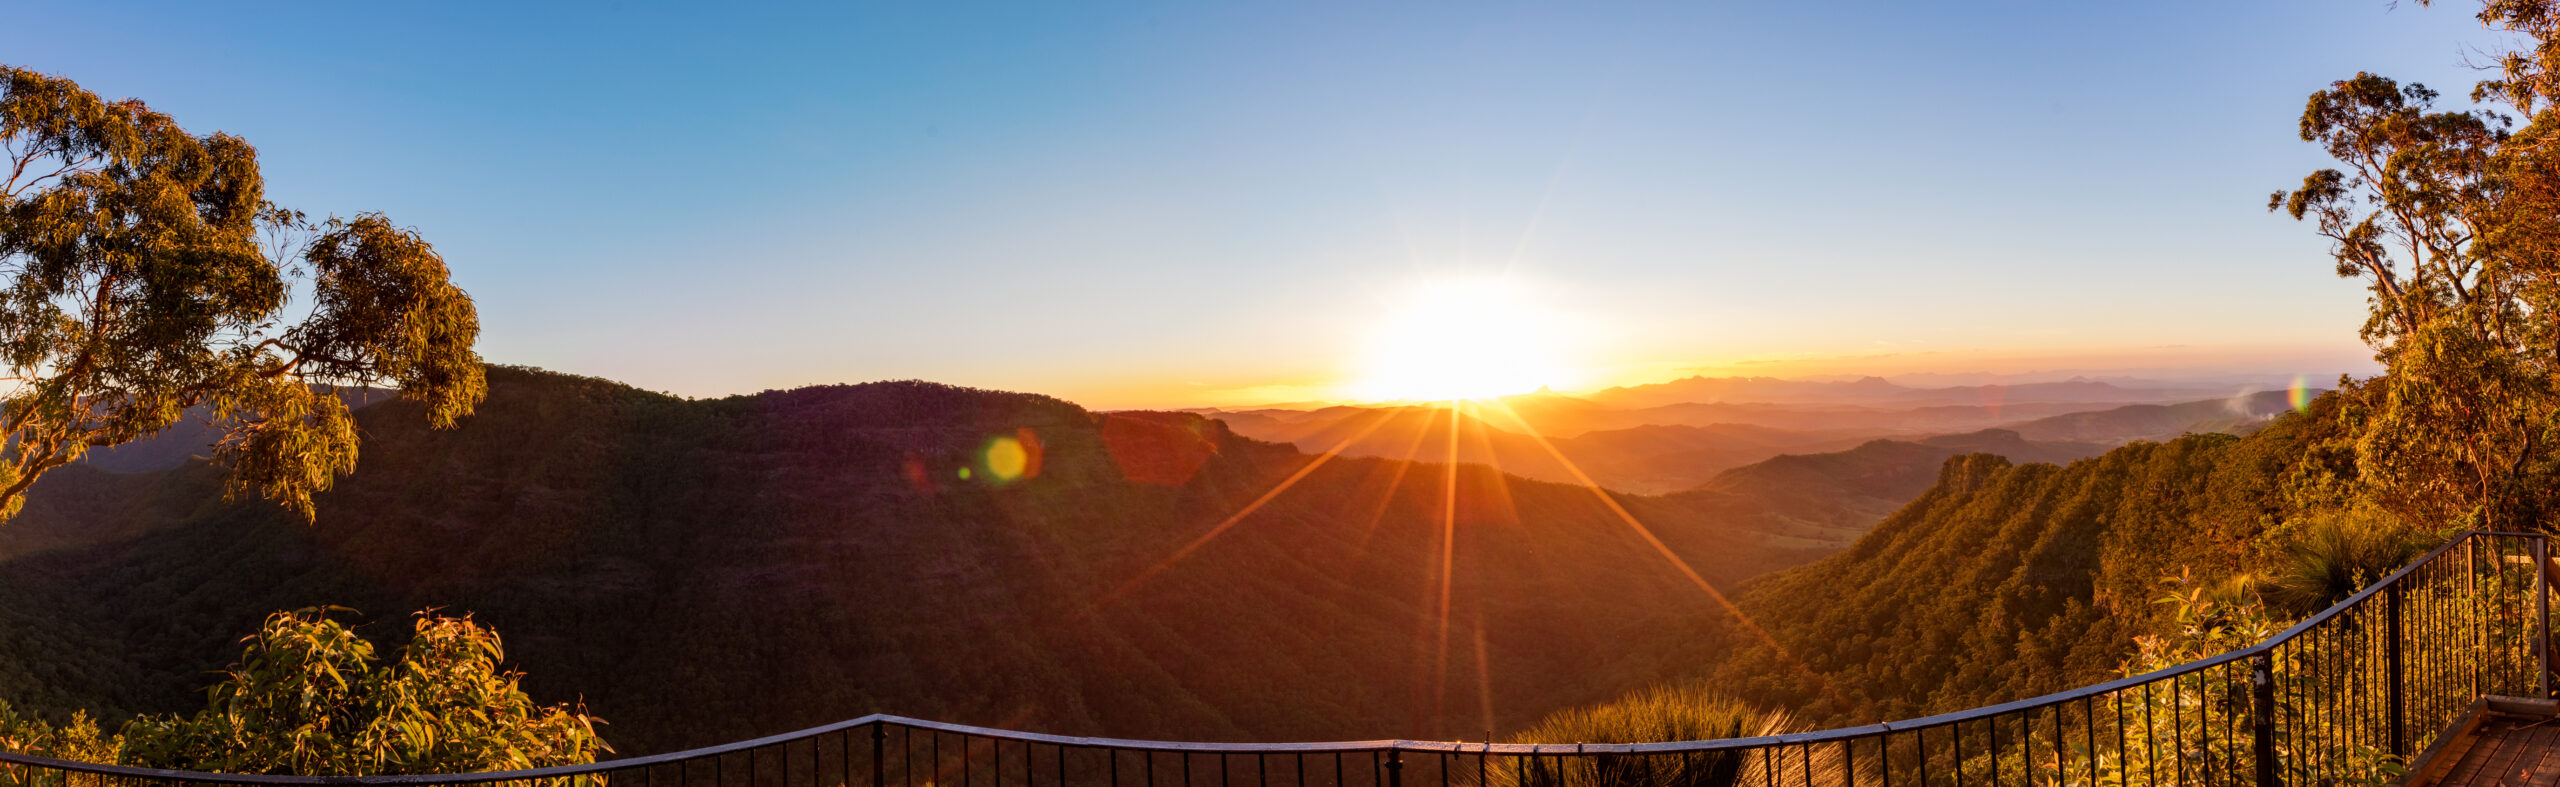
[(1395, 767), (2541, 617), (879, 755), (2262, 719), (2394, 689), (2465, 588)]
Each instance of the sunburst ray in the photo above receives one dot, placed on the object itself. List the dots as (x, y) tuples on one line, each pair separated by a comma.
[(1230, 522)]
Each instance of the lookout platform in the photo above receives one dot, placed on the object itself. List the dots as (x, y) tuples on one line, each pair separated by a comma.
[(2500, 742)]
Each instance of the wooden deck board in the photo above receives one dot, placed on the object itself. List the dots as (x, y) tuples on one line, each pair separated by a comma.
[(2533, 769), (2512, 746), (2506, 752), (2455, 752)]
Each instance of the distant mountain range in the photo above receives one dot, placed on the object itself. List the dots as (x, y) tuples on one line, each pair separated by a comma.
[(2236, 415), (1876, 391), (1674, 447)]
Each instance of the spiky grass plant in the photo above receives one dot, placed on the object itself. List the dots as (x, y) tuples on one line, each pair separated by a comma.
[(2332, 557), (1687, 712)]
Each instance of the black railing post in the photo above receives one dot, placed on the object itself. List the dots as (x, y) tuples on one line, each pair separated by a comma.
[(2395, 685), (1395, 767), (879, 754), (2480, 628), (2542, 616), (2262, 718)]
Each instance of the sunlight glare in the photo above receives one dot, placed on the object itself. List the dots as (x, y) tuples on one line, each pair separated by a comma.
[(1463, 339)]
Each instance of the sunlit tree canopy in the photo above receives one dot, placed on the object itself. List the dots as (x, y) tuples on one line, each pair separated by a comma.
[(147, 276)]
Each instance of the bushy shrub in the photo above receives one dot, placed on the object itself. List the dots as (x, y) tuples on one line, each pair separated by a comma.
[(309, 697)]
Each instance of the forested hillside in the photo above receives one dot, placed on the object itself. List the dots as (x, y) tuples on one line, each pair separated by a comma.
[(703, 571), (1833, 499), (2005, 581)]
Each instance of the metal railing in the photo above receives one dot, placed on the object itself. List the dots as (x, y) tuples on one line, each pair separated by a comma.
[(2340, 698)]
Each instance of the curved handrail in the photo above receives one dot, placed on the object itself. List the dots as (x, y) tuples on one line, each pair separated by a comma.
[(881, 721)]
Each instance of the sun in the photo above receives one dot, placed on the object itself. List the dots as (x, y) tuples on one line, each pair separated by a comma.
[(1474, 338)]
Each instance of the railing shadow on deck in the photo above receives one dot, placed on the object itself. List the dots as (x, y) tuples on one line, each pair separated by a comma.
[(2338, 699)]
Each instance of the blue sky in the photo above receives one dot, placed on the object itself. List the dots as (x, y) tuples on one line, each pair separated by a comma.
[(1177, 203)]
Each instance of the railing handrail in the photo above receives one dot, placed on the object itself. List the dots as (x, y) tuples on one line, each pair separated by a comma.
[(1324, 747)]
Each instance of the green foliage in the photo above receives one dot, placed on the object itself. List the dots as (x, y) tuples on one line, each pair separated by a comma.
[(79, 740), (2009, 581), (2336, 554), (2207, 619), (309, 697), (146, 274), (2454, 225), (1679, 712)]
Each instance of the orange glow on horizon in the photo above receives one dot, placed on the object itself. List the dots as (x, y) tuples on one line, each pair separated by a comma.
[(1307, 389)]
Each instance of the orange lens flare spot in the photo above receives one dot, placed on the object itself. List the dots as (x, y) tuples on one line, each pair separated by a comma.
[(1013, 457), (919, 477), (1157, 448)]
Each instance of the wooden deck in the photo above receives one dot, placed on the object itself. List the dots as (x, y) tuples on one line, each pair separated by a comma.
[(2501, 743), (2506, 752)]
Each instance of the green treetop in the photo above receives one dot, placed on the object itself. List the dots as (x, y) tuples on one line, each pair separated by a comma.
[(2452, 219), (143, 273)]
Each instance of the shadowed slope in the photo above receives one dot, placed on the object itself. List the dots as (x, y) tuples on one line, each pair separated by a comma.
[(704, 571)]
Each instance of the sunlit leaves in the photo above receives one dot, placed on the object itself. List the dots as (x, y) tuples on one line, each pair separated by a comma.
[(146, 275), (309, 697), (2454, 224)]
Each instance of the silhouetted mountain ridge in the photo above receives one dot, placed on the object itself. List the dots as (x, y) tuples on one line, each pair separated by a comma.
[(706, 571)]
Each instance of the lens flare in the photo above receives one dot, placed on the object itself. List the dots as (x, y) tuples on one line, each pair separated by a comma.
[(2299, 395), (1013, 457)]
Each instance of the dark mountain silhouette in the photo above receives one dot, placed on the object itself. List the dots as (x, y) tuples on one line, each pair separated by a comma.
[(705, 571)]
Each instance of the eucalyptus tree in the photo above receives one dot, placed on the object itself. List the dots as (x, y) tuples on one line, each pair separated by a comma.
[(2449, 218), (147, 275)]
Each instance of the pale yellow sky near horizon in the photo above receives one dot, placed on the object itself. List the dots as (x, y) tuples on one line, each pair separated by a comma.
[(1926, 368)]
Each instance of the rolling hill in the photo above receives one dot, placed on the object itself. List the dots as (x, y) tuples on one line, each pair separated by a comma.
[(1828, 501), (704, 571), (1876, 391), (2233, 415)]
